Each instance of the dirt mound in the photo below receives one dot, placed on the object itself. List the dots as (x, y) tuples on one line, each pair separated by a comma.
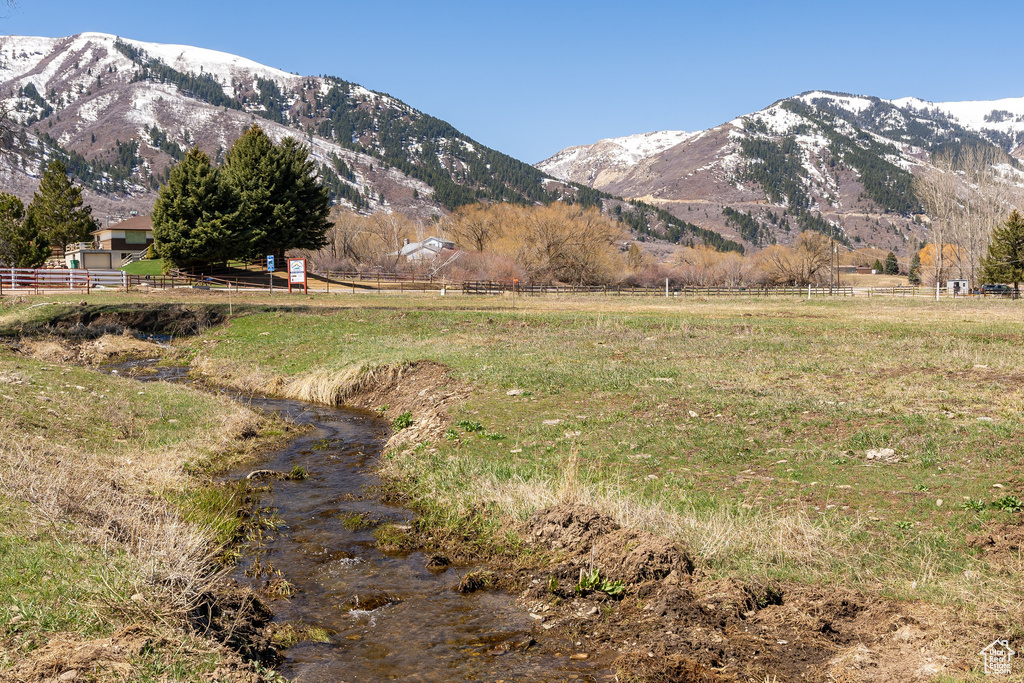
[(569, 527), (63, 655), (90, 322), (93, 352), (672, 623), (426, 390), (635, 556), (1001, 544)]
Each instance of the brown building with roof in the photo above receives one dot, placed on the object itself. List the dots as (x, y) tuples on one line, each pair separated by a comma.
[(134, 234)]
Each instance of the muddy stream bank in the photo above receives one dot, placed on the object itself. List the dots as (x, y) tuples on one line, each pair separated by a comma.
[(361, 614)]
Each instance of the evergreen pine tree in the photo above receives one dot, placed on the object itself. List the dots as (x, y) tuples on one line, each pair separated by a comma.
[(914, 276), (892, 266), (878, 267), (57, 211), (195, 215), (283, 204), (21, 245), (1005, 260)]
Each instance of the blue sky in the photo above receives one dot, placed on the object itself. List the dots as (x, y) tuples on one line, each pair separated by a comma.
[(529, 78)]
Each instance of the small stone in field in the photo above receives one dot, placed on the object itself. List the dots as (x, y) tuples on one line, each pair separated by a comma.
[(938, 503), (515, 392), (693, 414)]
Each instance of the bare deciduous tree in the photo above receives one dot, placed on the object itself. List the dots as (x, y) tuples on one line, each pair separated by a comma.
[(966, 196), (803, 263)]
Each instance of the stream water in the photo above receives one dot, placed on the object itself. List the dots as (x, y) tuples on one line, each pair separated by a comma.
[(388, 617)]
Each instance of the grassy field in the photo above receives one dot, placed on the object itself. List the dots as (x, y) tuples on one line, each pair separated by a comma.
[(741, 427), (109, 527)]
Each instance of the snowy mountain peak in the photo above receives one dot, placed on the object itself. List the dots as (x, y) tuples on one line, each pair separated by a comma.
[(611, 155)]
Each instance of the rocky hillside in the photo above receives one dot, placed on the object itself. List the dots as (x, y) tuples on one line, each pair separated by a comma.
[(839, 164), (121, 112)]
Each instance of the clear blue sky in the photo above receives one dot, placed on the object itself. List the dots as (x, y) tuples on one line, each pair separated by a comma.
[(529, 77)]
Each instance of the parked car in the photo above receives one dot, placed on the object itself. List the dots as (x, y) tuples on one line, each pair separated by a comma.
[(995, 290)]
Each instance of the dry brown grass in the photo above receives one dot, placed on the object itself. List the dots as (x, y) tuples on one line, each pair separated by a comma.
[(99, 461), (336, 387)]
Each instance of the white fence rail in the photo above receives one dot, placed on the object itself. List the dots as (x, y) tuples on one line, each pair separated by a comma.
[(15, 279)]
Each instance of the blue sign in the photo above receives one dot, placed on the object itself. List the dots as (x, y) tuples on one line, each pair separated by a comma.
[(270, 263)]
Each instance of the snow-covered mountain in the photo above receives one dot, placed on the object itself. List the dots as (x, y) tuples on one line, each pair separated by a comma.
[(1000, 122), (824, 161), (605, 160), (120, 112)]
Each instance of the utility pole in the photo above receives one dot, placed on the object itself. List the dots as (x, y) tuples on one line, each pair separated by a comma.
[(831, 255)]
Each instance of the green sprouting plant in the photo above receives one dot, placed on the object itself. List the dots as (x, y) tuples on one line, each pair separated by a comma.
[(494, 436), (904, 525), (451, 435), (402, 421), (592, 581), (470, 425), (552, 584), (298, 473), (588, 581), (921, 487), (382, 409), (971, 504), (1009, 503)]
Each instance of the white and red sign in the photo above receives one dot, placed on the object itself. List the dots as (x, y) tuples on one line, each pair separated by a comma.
[(297, 273)]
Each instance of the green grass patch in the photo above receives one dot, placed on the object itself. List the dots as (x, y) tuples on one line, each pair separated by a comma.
[(145, 267)]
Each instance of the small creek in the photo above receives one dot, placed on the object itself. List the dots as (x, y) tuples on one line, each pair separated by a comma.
[(389, 617)]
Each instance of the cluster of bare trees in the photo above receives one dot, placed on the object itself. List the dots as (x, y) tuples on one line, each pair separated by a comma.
[(355, 241), (560, 242), (806, 261), (966, 195)]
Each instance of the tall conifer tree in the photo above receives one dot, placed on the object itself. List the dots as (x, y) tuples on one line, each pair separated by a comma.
[(195, 216), (57, 210), (283, 205), (21, 244), (1005, 260), (892, 265)]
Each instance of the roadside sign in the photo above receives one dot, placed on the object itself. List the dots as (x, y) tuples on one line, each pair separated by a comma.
[(270, 263), (297, 273)]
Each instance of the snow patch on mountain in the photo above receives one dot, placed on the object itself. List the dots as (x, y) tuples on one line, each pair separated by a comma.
[(21, 54), (851, 103), (222, 66), (1005, 114)]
